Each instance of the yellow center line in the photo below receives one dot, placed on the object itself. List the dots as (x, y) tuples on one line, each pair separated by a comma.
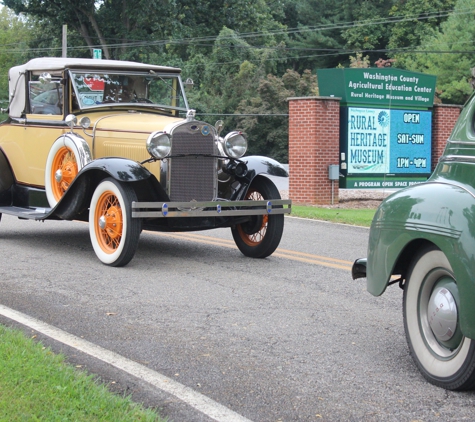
[(281, 253), (315, 260)]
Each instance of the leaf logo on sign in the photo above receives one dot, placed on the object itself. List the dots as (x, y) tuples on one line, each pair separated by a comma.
[(383, 119)]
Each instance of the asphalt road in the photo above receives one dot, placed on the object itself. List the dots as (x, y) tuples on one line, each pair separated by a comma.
[(287, 338)]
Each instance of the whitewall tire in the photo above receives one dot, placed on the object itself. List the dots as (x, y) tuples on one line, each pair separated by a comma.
[(431, 321), (114, 233)]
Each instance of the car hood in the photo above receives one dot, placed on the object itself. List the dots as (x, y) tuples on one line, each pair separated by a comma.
[(125, 134), (131, 122)]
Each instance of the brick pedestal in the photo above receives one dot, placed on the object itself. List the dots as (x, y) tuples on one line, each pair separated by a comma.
[(314, 144), (444, 117)]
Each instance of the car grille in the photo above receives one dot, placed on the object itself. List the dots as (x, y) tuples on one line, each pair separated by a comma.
[(193, 177)]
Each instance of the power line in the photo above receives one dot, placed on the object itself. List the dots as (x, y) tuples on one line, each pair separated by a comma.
[(198, 41), (299, 30)]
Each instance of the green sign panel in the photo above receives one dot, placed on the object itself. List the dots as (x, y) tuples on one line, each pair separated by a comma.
[(385, 88), (97, 53)]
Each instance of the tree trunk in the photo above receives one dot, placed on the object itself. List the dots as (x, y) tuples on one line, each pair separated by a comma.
[(98, 32), (92, 20), (82, 29), (126, 25)]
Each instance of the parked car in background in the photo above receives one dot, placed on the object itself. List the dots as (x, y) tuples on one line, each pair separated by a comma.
[(423, 239), (115, 143)]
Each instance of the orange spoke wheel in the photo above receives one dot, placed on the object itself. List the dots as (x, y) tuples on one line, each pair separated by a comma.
[(63, 171), (108, 222), (114, 233)]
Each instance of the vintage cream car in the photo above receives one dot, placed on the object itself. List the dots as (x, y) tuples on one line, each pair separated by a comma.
[(115, 143)]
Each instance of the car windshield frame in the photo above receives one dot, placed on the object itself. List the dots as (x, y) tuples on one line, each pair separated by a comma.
[(105, 88)]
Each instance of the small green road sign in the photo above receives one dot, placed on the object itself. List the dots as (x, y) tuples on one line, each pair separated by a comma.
[(97, 53)]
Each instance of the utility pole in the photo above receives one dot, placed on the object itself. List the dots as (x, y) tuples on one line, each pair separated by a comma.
[(65, 41)]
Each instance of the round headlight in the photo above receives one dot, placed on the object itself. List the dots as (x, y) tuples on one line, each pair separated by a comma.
[(85, 122), (235, 144), (159, 145)]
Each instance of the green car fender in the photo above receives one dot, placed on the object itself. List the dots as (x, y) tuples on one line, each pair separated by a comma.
[(442, 214)]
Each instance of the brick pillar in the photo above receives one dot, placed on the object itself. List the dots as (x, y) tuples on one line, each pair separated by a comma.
[(444, 117), (314, 144)]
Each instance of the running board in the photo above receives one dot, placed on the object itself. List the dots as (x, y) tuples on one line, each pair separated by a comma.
[(26, 213)]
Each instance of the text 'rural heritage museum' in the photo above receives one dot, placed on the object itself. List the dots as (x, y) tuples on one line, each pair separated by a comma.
[(385, 125)]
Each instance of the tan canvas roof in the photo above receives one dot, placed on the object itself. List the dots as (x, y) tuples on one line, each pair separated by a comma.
[(16, 75)]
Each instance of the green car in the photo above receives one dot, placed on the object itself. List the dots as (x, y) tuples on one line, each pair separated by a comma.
[(423, 239)]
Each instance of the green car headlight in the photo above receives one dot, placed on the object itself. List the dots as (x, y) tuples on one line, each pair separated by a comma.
[(159, 144), (235, 144)]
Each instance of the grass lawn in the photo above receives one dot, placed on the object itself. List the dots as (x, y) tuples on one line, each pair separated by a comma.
[(357, 217), (37, 385)]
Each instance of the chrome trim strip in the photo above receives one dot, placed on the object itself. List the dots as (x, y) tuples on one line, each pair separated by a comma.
[(449, 141), (210, 209), (460, 158), (419, 227)]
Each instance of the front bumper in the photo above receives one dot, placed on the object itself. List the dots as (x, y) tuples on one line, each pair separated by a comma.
[(358, 270), (210, 209)]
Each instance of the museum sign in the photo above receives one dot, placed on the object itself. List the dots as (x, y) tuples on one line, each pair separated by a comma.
[(385, 125)]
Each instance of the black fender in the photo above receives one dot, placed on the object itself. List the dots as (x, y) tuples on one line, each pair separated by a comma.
[(7, 180), (257, 164), (121, 169), (77, 198), (6, 174)]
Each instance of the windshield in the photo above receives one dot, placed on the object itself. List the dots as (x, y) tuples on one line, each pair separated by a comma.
[(92, 89)]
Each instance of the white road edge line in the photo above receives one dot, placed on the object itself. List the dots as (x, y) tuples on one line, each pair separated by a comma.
[(200, 402)]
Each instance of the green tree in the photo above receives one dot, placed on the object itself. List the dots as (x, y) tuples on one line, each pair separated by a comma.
[(78, 14), (330, 30), (231, 72), (369, 30), (419, 19), (318, 41), (266, 123), (448, 54), (133, 29), (15, 34), (358, 61)]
